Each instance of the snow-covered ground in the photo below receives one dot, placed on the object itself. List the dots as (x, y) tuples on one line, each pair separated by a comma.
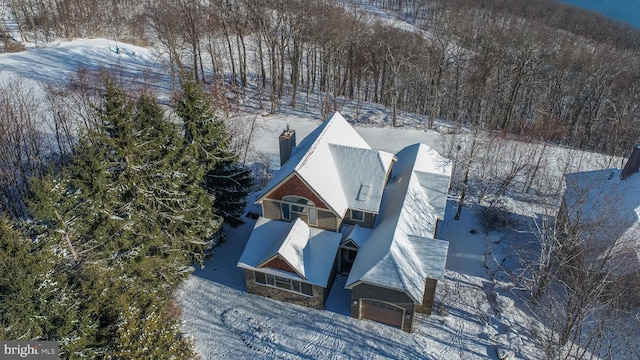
[(471, 319), (226, 322), (477, 308)]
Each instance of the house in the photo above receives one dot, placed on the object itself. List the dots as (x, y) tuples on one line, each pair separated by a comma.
[(601, 210), (337, 205)]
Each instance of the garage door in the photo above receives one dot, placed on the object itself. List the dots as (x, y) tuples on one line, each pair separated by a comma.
[(381, 311)]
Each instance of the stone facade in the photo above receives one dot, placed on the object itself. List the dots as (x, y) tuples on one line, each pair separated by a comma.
[(316, 301), (429, 295)]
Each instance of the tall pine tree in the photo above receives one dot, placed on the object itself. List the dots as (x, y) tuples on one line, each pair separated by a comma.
[(129, 193), (126, 217), (35, 302), (208, 144)]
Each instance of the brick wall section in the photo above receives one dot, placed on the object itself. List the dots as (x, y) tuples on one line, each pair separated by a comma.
[(295, 186), (429, 294), (278, 263), (317, 301), (398, 298)]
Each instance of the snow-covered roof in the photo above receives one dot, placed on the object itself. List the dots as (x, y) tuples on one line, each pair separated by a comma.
[(290, 246), (358, 235), (401, 251), (309, 251), (362, 174), (607, 209), (339, 166)]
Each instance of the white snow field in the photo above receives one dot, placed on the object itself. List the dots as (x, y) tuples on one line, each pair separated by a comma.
[(477, 306)]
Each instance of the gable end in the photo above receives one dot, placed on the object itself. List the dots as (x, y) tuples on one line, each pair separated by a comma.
[(277, 262), (296, 186)]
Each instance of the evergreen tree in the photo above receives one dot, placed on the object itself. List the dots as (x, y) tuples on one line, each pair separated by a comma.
[(208, 144), (126, 217), (35, 300), (145, 323), (128, 195)]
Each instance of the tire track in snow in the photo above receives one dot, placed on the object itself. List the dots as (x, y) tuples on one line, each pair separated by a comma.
[(256, 335)]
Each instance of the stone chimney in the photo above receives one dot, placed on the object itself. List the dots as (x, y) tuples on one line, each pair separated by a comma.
[(287, 142), (633, 164)]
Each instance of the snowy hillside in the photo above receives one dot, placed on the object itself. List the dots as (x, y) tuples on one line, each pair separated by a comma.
[(478, 311), (225, 322)]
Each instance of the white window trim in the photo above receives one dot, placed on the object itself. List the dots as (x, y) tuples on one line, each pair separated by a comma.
[(315, 216), (297, 207)]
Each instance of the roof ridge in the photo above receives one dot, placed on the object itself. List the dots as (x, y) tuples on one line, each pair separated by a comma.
[(351, 147), (316, 142), (401, 276), (288, 235)]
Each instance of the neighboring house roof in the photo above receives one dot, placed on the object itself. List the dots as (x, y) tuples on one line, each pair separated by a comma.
[(401, 252), (339, 166), (607, 211), (309, 251)]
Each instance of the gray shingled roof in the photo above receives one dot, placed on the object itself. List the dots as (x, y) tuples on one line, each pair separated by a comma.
[(335, 161), (310, 251), (401, 251)]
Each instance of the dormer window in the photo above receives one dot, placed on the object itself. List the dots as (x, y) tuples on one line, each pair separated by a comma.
[(357, 215)]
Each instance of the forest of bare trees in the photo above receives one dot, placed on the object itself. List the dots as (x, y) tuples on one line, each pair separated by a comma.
[(537, 68)]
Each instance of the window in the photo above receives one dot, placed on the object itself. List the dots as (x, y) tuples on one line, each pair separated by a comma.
[(285, 211), (283, 283), (297, 205), (357, 215), (307, 289), (297, 200), (298, 209)]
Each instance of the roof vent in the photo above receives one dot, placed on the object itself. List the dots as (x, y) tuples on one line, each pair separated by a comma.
[(363, 194), (633, 164)]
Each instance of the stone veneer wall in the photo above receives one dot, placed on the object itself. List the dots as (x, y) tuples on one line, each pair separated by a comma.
[(429, 294), (316, 301)]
